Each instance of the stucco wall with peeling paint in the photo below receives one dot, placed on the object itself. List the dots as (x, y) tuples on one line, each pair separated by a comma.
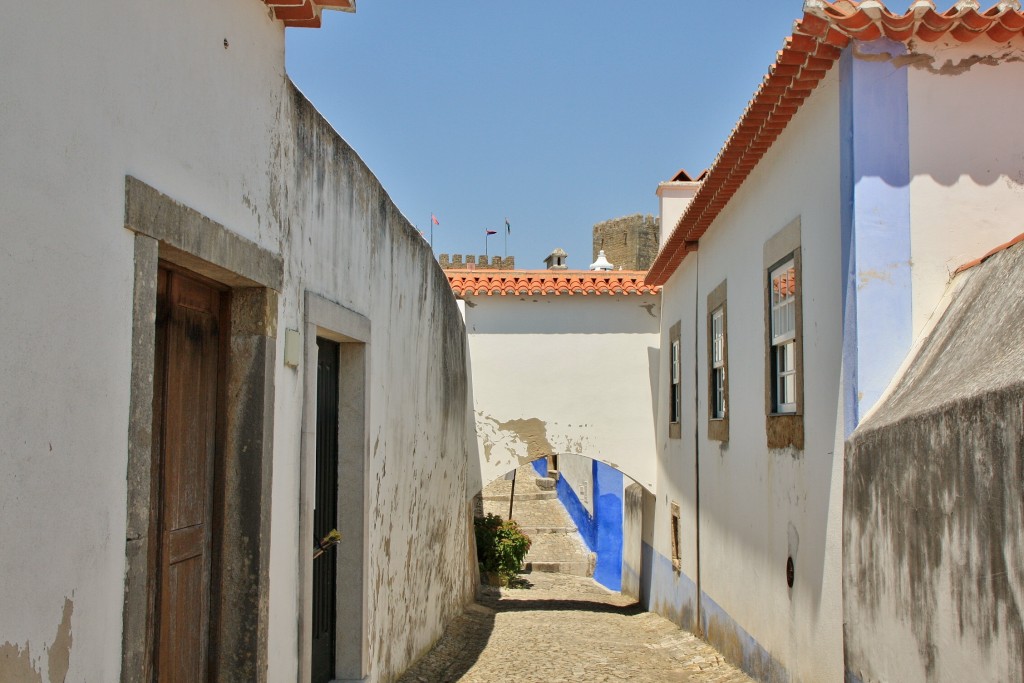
[(193, 100), (564, 374)]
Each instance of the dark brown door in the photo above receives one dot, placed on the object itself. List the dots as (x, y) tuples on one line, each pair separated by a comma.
[(325, 512), (185, 429)]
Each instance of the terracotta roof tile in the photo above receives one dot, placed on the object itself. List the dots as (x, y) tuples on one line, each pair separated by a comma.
[(306, 13), (465, 283), (818, 38)]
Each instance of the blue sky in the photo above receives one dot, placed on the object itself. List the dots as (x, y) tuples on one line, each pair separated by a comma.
[(557, 113)]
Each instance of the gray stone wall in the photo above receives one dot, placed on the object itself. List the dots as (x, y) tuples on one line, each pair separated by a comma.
[(933, 507), (630, 242)]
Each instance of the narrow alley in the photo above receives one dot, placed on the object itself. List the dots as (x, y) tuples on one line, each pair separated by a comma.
[(557, 623), (561, 627)]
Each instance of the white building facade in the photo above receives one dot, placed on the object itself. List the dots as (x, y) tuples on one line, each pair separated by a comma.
[(177, 215), (794, 283)]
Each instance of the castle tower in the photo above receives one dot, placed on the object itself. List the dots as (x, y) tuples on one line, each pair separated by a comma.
[(630, 242)]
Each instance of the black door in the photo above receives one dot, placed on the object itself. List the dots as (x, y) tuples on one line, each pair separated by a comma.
[(325, 512)]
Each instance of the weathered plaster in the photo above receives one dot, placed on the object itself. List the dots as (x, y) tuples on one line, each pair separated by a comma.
[(533, 433), (18, 666), (186, 233), (924, 56)]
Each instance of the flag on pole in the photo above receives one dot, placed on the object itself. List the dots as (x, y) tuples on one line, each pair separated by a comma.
[(492, 232), (433, 219), (508, 227)]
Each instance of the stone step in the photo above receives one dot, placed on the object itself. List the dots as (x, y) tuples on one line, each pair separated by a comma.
[(529, 495), (545, 483), (531, 530), (574, 567), (556, 544)]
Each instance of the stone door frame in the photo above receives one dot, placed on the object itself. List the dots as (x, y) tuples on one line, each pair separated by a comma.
[(166, 230)]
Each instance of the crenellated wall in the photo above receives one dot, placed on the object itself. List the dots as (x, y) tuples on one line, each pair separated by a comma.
[(472, 262)]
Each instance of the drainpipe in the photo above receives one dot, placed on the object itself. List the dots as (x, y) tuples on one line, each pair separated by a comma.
[(696, 439)]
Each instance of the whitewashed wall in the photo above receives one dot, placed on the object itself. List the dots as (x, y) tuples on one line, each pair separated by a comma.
[(758, 506), (565, 374), (578, 472), (673, 198), (665, 590), (192, 99), (966, 160)]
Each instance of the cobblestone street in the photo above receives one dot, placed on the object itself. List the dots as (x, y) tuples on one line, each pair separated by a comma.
[(566, 628)]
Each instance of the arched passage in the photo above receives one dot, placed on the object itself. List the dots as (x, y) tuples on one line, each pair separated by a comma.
[(506, 445), (565, 365), (603, 506)]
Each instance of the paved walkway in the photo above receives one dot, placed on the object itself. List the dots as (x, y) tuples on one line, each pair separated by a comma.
[(566, 628)]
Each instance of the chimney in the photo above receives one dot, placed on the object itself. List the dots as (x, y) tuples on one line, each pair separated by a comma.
[(601, 263), (673, 197), (556, 260)]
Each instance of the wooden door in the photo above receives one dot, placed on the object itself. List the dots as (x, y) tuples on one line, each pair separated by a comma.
[(185, 430), (325, 511)]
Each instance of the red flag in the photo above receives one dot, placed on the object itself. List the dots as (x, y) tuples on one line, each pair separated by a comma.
[(492, 232), (433, 218)]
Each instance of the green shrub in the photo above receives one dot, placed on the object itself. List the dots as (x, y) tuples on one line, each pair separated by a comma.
[(500, 545)]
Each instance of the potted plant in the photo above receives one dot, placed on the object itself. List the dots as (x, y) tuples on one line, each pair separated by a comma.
[(500, 548)]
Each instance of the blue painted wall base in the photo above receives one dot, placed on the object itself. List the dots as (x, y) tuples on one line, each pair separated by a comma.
[(673, 595)]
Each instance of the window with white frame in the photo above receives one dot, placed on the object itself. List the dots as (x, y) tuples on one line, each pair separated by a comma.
[(676, 398), (718, 363), (783, 286), (675, 391)]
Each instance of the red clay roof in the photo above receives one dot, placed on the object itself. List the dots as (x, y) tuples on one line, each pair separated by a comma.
[(306, 13), (547, 282), (817, 41)]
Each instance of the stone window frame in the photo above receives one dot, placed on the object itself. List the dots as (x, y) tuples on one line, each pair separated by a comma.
[(717, 300), (784, 430), (330, 320), (168, 231), (675, 382)]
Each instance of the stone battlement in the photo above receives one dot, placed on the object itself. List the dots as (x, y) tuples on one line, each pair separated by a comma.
[(470, 262)]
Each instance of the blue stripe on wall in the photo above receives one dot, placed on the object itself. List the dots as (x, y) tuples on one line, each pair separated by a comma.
[(664, 591), (875, 214), (673, 596), (849, 264), (602, 532), (579, 515), (608, 510), (540, 467)]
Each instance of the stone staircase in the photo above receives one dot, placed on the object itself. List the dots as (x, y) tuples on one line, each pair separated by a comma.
[(556, 545)]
